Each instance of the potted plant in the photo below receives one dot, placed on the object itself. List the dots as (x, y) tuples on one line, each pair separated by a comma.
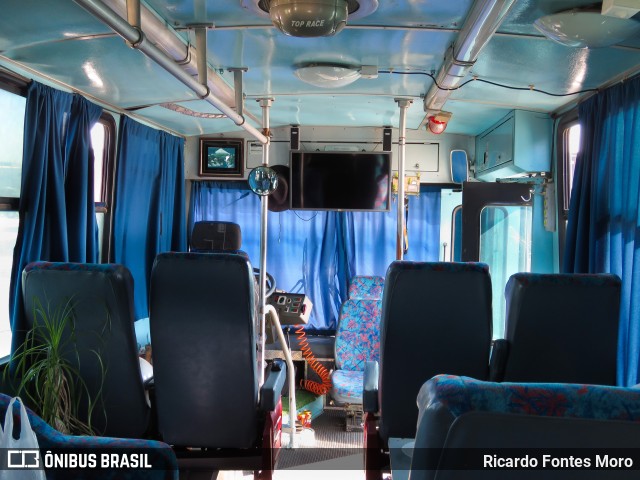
[(45, 375)]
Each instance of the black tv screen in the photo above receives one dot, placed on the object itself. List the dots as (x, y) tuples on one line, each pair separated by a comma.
[(340, 181)]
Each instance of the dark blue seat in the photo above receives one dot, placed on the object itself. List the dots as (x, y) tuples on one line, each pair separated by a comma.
[(160, 455), (559, 328), (100, 297), (436, 318), (203, 325), (461, 419)]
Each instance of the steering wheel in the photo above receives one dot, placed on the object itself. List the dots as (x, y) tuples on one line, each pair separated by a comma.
[(271, 283)]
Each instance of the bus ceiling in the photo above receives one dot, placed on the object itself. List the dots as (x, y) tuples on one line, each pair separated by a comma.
[(476, 60)]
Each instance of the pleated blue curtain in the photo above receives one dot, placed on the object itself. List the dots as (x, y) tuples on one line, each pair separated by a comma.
[(603, 232), (372, 241), (304, 254), (318, 252), (149, 213), (82, 227), (57, 216)]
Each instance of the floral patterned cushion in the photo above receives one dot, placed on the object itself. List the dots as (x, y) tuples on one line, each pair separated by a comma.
[(462, 394), (347, 386), (366, 288), (358, 334), (160, 455)]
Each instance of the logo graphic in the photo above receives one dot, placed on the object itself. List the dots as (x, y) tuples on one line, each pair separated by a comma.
[(23, 458)]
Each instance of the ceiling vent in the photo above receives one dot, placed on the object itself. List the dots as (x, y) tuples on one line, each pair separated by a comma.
[(311, 18)]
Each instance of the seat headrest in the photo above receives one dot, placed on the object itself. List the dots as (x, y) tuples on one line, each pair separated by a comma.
[(216, 236)]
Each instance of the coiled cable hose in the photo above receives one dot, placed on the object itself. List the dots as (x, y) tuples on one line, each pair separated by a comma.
[(316, 366)]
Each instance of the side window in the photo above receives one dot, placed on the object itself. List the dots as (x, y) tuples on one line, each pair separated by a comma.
[(103, 142), (567, 150), (12, 108), (571, 149)]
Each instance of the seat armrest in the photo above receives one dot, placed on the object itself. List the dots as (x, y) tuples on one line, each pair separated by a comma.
[(498, 361), (370, 387), (272, 388)]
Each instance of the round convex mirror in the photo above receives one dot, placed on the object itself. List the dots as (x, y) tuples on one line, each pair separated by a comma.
[(263, 180)]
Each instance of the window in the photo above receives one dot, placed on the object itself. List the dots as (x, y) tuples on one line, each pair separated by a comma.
[(12, 108), (102, 142), (568, 132), (571, 150), (505, 245)]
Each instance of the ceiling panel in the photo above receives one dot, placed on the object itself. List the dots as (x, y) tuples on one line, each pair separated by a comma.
[(390, 12), (28, 22), (105, 68), (548, 66)]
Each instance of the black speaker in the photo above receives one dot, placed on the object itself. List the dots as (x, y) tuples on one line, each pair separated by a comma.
[(295, 138), (386, 139)]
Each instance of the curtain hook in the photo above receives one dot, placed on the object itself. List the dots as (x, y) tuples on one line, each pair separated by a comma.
[(530, 196)]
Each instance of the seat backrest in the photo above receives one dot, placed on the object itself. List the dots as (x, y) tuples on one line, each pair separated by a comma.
[(100, 297), (459, 415), (202, 318), (358, 334), (436, 318), (366, 287), (216, 236), (562, 328)]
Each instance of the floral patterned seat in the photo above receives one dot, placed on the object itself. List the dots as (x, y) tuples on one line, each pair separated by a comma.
[(460, 395), (366, 288), (160, 455), (357, 342)]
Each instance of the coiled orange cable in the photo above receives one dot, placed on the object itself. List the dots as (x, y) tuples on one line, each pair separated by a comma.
[(316, 366)]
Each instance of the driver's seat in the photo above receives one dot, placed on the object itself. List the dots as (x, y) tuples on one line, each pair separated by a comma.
[(214, 236)]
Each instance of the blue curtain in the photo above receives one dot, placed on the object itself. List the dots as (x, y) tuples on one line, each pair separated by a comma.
[(57, 216), (82, 227), (149, 209), (372, 241), (603, 232), (318, 252)]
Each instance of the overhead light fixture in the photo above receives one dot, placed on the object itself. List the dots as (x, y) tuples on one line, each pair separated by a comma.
[(437, 122), (586, 29), (311, 18), (328, 75)]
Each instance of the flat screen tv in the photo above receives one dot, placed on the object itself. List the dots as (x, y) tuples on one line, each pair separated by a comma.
[(357, 181)]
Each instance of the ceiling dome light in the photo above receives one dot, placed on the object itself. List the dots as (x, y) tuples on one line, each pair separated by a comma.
[(586, 29), (327, 75), (309, 18)]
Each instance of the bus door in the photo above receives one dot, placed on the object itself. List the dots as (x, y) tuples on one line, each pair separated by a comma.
[(497, 224)]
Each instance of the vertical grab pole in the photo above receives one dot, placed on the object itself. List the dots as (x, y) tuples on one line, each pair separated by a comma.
[(403, 103), (265, 103), (291, 374)]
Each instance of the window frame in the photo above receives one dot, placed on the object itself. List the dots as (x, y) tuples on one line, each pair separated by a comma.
[(567, 121)]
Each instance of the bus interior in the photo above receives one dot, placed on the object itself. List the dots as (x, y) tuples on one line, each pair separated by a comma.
[(391, 238)]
